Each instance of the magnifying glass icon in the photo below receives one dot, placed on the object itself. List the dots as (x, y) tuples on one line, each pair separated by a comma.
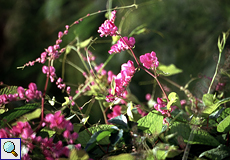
[(9, 147)]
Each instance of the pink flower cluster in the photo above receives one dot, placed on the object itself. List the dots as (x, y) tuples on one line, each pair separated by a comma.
[(122, 44), (149, 60), (122, 80), (108, 27), (116, 112), (29, 94), (161, 104), (49, 71), (90, 57), (49, 149), (57, 121), (98, 68)]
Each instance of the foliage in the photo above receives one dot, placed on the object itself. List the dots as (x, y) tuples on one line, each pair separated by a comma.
[(165, 127)]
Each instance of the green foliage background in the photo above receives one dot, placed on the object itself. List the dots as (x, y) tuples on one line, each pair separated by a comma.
[(181, 32)]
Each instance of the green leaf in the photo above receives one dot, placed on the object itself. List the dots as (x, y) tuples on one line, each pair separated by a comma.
[(152, 121), (102, 135), (113, 85), (84, 136), (9, 90), (17, 112), (174, 100), (126, 156), (29, 116), (210, 105), (78, 155), (163, 151), (116, 136), (50, 132), (115, 39), (218, 153), (85, 43), (98, 136), (199, 136), (224, 126), (68, 49), (208, 99), (203, 137), (138, 30), (223, 115), (169, 70), (129, 111), (120, 121), (77, 127)]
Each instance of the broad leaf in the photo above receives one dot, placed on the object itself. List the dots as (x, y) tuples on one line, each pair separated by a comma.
[(17, 112), (120, 121), (98, 136), (210, 105), (218, 153), (199, 136), (163, 151), (153, 122), (126, 156), (78, 155), (29, 116), (224, 126), (84, 136), (169, 70)]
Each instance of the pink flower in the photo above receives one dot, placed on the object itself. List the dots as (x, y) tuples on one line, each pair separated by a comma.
[(110, 76), (108, 27), (122, 44), (21, 92), (23, 129), (116, 112), (160, 104), (148, 96), (58, 121), (149, 60), (4, 133)]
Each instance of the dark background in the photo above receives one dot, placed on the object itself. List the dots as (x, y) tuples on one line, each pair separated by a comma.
[(181, 32)]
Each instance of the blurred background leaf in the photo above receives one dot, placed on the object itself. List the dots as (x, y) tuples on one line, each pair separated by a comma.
[(183, 33)]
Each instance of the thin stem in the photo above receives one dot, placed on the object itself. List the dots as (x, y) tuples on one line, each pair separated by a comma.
[(103, 112), (43, 98), (214, 76), (155, 77)]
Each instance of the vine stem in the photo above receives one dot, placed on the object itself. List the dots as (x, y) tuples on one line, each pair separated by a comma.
[(147, 71), (214, 76), (43, 98)]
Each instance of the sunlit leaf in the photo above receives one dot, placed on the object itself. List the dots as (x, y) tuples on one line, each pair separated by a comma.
[(224, 126), (49, 131), (29, 116), (78, 155), (84, 136), (218, 153), (153, 122), (174, 100), (85, 43), (169, 70), (125, 156), (210, 104), (17, 112)]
